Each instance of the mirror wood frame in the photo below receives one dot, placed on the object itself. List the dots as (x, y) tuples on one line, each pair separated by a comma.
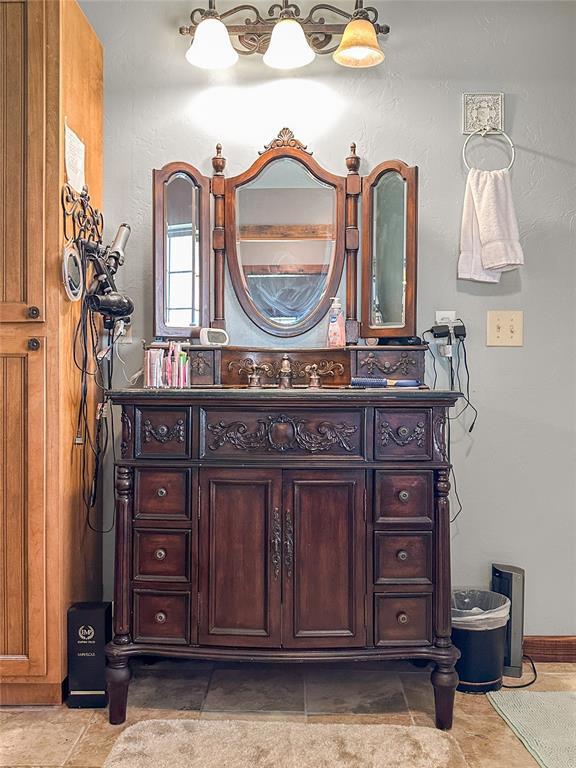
[(231, 185), (410, 176), (160, 180)]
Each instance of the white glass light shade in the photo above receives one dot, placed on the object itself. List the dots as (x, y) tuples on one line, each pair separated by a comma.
[(211, 47), (288, 48), (359, 46)]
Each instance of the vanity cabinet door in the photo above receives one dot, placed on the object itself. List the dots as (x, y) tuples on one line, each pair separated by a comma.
[(240, 557), (324, 556)]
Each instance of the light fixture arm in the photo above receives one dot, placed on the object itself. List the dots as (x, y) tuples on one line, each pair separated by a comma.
[(253, 35)]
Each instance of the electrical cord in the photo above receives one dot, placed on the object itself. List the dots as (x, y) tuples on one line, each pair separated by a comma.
[(93, 441), (433, 359), (530, 682)]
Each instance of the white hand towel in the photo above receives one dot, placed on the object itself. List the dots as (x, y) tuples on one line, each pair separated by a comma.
[(489, 242)]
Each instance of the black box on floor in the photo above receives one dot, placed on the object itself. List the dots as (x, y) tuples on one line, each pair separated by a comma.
[(89, 629)]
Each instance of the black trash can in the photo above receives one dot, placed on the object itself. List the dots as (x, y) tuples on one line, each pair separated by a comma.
[(479, 621)]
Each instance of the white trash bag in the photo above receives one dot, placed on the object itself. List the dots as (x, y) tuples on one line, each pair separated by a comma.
[(477, 610)]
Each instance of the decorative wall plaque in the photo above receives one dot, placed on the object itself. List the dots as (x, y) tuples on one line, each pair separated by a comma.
[(482, 111)]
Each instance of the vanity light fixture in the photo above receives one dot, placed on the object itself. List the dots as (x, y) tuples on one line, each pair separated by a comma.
[(286, 39)]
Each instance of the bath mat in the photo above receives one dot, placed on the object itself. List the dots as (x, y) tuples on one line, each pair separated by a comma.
[(544, 722), (253, 744)]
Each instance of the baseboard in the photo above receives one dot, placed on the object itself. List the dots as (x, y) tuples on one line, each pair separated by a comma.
[(19, 694), (561, 648)]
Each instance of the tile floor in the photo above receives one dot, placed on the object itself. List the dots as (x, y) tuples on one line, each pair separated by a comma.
[(396, 693)]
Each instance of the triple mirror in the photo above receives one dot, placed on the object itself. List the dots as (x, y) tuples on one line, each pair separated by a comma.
[(289, 232)]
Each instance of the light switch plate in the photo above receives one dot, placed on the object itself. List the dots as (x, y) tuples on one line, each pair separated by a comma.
[(505, 328)]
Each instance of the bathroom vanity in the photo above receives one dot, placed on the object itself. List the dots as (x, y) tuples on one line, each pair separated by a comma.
[(272, 511)]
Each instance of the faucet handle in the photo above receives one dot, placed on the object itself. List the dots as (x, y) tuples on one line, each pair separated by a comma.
[(313, 376)]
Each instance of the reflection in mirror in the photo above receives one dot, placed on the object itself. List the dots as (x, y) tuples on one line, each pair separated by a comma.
[(388, 298), (285, 240), (182, 252)]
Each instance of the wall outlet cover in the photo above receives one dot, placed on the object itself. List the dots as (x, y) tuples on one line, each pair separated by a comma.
[(445, 317), (505, 328)]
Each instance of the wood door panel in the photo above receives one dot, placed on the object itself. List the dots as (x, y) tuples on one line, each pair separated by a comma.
[(22, 145), (23, 525), (324, 557), (240, 574)]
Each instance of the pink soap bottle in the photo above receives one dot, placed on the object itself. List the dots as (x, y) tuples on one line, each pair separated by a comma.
[(336, 325)]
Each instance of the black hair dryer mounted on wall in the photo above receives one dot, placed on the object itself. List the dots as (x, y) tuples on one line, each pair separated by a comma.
[(102, 295)]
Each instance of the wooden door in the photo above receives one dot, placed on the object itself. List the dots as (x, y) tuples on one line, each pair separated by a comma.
[(324, 559), (22, 500), (240, 556), (22, 146)]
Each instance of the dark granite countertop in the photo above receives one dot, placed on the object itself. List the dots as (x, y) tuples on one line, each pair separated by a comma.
[(298, 394)]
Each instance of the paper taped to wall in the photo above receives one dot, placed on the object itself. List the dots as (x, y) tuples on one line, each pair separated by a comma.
[(74, 153)]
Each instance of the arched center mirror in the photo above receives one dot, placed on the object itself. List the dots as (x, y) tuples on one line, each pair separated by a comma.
[(284, 240)]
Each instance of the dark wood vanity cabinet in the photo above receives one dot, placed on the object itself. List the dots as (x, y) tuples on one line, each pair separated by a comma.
[(277, 525)]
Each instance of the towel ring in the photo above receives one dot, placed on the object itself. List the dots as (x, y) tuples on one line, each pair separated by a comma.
[(483, 132)]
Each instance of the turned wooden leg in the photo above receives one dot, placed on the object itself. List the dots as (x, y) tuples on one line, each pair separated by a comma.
[(444, 679), (118, 679)]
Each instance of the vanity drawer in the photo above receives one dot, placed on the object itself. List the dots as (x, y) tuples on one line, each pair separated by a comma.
[(161, 617), (403, 434), (286, 433), (162, 494), (162, 433), (390, 364), (403, 497), (161, 555), (402, 619), (402, 558)]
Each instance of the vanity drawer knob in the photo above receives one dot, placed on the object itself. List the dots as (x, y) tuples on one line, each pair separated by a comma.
[(160, 554), (33, 313), (404, 496), (161, 492), (160, 617), (402, 555), (402, 618), (403, 431)]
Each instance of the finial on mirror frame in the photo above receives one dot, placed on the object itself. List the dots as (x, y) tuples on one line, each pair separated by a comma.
[(353, 161), (285, 138), (218, 162)]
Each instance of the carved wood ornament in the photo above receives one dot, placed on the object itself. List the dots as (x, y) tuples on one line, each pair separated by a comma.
[(281, 433)]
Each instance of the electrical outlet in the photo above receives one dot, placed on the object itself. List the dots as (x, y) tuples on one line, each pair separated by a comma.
[(126, 335), (505, 328), (445, 317)]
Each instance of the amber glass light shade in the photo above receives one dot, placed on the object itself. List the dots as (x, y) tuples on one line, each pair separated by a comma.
[(359, 46)]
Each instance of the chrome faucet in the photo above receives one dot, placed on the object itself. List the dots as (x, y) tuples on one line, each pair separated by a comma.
[(285, 373)]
